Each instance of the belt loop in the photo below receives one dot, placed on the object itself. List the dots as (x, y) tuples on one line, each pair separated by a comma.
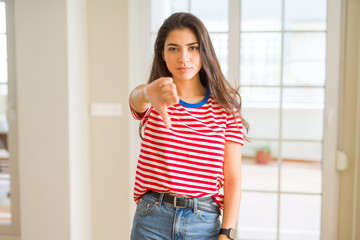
[(195, 205), (161, 198)]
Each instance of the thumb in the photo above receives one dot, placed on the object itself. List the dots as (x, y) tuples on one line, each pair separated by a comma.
[(165, 116)]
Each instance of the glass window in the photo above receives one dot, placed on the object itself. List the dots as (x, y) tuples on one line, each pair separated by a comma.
[(260, 153), (3, 72), (220, 43), (5, 205), (306, 224), (261, 15), (305, 15), (304, 59), (260, 59), (3, 47), (213, 13), (179, 6), (3, 17), (258, 216), (303, 114), (160, 10)]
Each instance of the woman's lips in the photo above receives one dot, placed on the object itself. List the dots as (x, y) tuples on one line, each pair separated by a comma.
[(184, 69)]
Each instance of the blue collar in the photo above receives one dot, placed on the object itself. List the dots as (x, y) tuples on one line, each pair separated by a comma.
[(196, 105)]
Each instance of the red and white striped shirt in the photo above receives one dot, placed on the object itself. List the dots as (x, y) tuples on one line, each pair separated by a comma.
[(186, 160)]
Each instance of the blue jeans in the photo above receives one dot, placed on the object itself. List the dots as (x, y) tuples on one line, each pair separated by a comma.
[(159, 220)]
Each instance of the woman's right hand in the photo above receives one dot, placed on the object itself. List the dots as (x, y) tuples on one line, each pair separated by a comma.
[(162, 94)]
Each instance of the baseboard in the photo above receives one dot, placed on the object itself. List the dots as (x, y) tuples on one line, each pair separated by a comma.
[(4, 237)]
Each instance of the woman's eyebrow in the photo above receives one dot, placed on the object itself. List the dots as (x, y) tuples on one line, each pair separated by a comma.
[(176, 45), (194, 43)]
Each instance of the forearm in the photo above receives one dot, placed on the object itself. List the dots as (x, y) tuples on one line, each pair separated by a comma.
[(138, 99), (232, 186), (232, 198)]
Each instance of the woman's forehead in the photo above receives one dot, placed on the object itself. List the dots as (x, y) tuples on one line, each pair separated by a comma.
[(181, 37)]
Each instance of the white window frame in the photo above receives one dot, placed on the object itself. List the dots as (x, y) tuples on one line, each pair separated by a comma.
[(334, 69), (12, 231), (139, 69), (334, 41)]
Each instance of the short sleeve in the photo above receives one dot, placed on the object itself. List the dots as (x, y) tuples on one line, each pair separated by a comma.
[(234, 129), (140, 117)]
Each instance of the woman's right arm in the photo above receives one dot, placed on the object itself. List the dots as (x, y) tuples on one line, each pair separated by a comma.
[(139, 100), (160, 94)]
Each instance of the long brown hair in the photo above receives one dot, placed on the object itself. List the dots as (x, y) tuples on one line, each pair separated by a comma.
[(210, 74)]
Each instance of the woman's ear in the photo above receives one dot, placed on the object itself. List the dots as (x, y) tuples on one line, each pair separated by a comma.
[(163, 56)]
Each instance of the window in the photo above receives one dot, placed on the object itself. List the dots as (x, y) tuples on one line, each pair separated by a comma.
[(5, 213), (9, 201), (282, 82), (277, 51)]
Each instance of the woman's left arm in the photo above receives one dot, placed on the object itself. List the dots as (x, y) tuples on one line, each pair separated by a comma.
[(232, 185)]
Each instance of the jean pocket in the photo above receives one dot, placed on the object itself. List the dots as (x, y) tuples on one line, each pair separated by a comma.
[(208, 217), (145, 208)]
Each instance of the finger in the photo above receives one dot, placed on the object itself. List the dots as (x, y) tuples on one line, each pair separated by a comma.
[(165, 116), (165, 81), (169, 92), (170, 100)]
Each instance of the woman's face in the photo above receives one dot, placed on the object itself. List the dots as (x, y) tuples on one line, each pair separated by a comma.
[(182, 55)]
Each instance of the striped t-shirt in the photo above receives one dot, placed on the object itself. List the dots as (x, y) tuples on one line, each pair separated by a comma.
[(187, 159)]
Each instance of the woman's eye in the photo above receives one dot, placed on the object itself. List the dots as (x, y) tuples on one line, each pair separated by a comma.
[(172, 49), (194, 48)]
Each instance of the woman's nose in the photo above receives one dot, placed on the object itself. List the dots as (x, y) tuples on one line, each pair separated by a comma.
[(184, 56)]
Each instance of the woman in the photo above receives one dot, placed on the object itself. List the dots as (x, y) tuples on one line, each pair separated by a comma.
[(189, 166)]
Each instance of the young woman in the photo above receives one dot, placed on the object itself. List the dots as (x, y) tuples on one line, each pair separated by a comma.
[(189, 166)]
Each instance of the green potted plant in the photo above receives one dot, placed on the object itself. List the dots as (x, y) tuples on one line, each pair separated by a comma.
[(263, 155)]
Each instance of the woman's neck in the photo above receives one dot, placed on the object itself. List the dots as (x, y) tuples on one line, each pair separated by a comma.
[(190, 91)]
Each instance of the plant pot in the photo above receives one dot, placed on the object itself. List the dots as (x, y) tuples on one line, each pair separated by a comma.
[(263, 157)]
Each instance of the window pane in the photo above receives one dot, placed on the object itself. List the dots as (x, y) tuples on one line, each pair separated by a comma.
[(260, 55), (3, 107), (260, 97), (220, 43), (3, 72), (179, 6), (294, 150), (213, 13), (2, 18), (258, 216), (304, 59), (160, 10), (303, 98), (305, 14), (264, 121), (261, 15), (301, 176), (300, 217), (5, 202), (303, 113), (3, 48), (260, 159)]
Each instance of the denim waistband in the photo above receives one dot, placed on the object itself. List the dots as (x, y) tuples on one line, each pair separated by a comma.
[(204, 203)]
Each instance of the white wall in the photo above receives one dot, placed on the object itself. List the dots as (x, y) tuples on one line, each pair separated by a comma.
[(55, 42), (109, 136), (51, 76)]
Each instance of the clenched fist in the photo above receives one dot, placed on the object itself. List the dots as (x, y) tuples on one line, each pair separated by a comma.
[(162, 94)]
